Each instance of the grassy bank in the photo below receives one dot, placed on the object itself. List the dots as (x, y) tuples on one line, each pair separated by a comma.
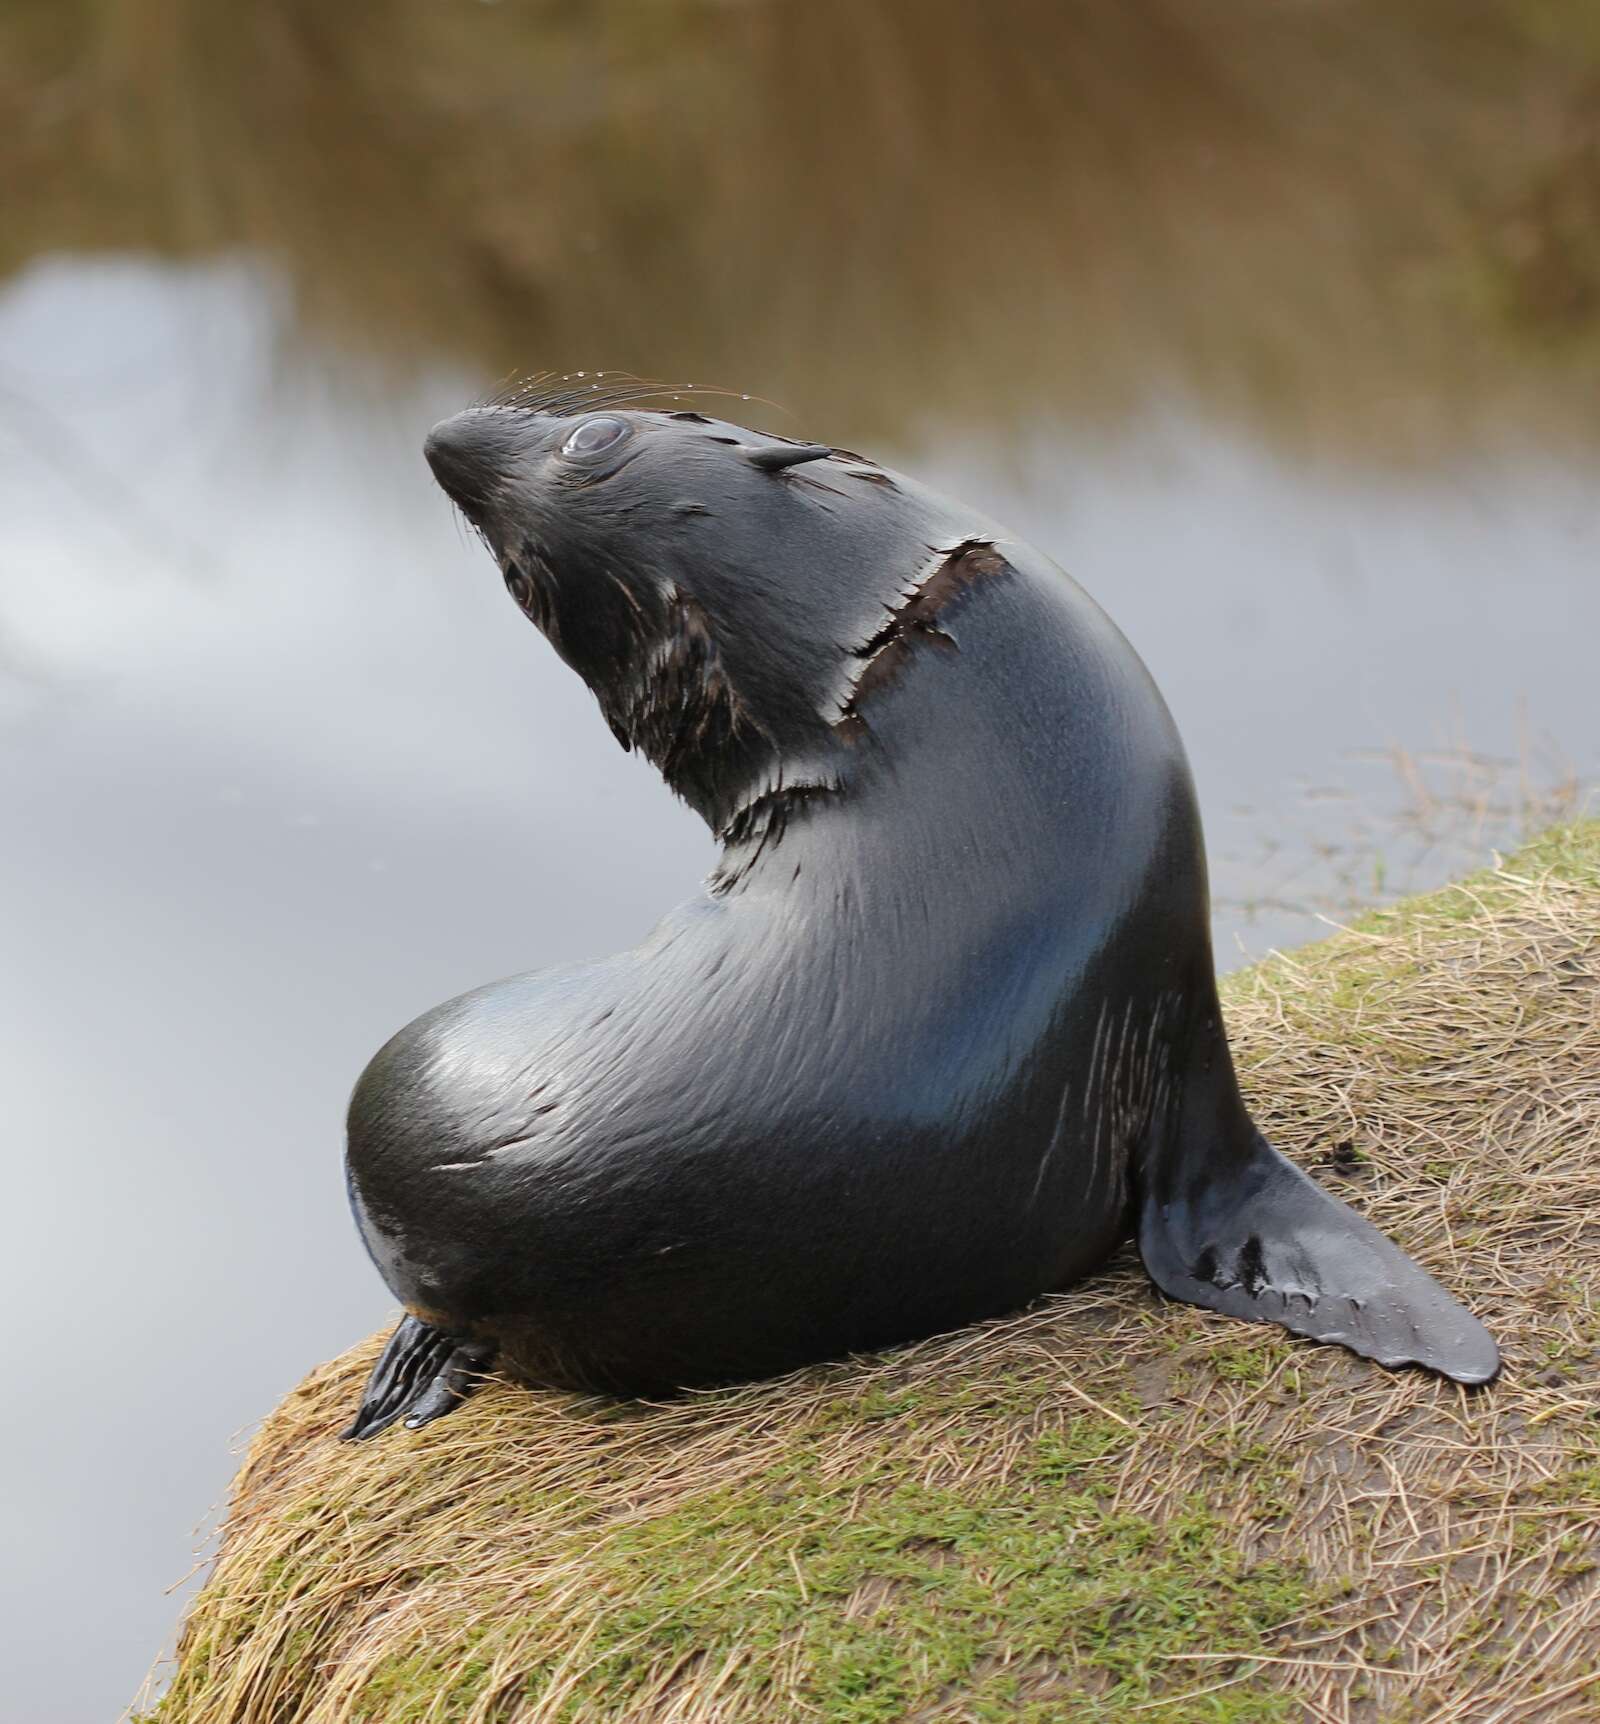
[(1109, 1507)]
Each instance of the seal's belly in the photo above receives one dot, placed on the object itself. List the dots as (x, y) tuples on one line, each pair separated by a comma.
[(653, 1214), (759, 1256), (824, 1269)]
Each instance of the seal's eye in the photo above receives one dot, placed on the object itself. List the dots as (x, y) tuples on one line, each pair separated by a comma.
[(596, 434)]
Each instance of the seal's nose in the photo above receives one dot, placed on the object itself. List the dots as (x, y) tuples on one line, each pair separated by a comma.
[(470, 453)]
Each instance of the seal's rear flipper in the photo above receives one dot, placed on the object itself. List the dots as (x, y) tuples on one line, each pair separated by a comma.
[(420, 1375), (1246, 1232)]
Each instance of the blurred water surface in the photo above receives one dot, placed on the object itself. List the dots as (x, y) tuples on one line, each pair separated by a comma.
[(1278, 325)]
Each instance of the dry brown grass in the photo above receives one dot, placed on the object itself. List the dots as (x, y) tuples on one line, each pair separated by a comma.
[(1109, 1507)]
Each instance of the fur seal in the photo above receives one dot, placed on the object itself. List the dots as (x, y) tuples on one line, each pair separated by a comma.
[(943, 1027)]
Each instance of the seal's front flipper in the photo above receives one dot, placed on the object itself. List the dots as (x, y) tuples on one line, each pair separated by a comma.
[(1241, 1230), (420, 1375)]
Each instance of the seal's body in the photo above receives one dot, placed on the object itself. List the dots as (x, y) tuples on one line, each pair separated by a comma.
[(944, 1027)]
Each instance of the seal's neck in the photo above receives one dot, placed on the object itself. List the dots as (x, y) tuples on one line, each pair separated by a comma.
[(757, 826), (678, 707)]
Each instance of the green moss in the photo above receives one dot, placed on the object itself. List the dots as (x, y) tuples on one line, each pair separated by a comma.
[(891, 1592), (1246, 1362), (439, 1686)]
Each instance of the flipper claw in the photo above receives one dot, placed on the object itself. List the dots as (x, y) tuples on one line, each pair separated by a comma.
[(421, 1374)]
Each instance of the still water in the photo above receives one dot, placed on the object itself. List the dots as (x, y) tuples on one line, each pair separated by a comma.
[(1283, 344)]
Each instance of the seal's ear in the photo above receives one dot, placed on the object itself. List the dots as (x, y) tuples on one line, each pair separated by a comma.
[(774, 455)]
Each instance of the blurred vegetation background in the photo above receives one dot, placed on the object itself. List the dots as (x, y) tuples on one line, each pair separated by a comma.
[(1361, 224)]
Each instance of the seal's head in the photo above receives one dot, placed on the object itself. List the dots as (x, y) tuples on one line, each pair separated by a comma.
[(692, 572)]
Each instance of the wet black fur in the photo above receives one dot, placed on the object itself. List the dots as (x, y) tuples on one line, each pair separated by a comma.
[(944, 1027)]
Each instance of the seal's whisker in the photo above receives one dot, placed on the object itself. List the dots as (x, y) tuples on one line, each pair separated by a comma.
[(512, 386), (512, 383), (573, 391)]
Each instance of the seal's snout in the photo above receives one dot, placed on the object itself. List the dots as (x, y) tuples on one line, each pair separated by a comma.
[(470, 452)]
